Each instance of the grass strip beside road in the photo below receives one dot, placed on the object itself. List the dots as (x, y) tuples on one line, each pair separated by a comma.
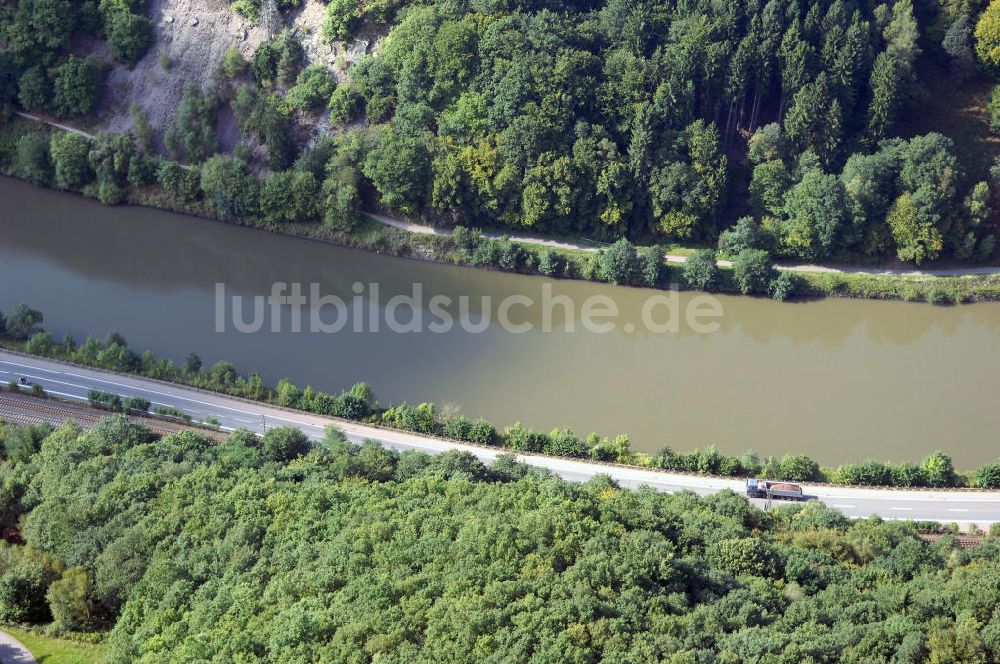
[(53, 650)]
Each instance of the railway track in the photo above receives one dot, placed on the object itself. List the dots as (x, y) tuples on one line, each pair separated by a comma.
[(21, 409), (964, 541)]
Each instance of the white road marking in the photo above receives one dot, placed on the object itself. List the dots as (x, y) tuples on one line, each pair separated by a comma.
[(132, 387), (28, 366), (579, 470)]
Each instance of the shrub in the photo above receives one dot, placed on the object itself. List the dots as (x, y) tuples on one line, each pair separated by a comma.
[(229, 186), (957, 45), (731, 467), (283, 444), (651, 266), (41, 344), (563, 442), (420, 419), (346, 104), (457, 427), (483, 433), (743, 556), (266, 117), (24, 322), (183, 183), (192, 135), (938, 469), (32, 160), (485, 254), (170, 411), (519, 438), (69, 157), (746, 233), (223, 376), (129, 36), (34, 88), (102, 399), (312, 90), (70, 598), (342, 17), (752, 271), (136, 404), (291, 56), (264, 64), (350, 406), (602, 449), (77, 86), (289, 196), (784, 285), (908, 474), (110, 157), (988, 35), (701, 270), (988, 477), (233, 63), (619, 263), (798, 468), (143, 170), (287, 394), (509, 255), (550, 263), (993, 107), (705, 462), (935, 295), (871, 473), (25, 580), (466, 239)]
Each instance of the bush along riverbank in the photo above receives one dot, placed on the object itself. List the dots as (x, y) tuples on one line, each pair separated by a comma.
[(22, 330), (121, 168)]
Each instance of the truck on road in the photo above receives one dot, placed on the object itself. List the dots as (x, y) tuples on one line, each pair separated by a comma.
[(757, 488)]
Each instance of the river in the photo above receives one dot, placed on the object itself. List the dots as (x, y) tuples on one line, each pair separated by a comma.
[(839, 380)]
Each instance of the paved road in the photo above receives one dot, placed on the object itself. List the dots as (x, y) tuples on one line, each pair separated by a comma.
[(412, 227), (13, 651), (72, 381)]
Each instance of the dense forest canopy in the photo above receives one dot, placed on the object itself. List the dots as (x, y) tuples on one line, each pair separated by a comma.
[(662, 120), (38, 69), (269, 551), (773, 126)]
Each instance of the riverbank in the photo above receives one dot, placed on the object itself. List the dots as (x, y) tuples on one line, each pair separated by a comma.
[(360, 405), (552, 258), (578, 263), (774, 377)]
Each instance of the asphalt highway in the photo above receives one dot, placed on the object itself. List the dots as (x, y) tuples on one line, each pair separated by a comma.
[(73, 381)]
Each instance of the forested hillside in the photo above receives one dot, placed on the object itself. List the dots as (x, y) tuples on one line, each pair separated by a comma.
[(265, 551), (40, 69), (659, 121), (665, 121)]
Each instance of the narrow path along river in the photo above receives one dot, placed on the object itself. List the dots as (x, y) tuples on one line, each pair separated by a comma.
[(839, 380)]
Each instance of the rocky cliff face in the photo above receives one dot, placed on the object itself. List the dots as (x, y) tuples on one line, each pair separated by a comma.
[(192, 36)]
